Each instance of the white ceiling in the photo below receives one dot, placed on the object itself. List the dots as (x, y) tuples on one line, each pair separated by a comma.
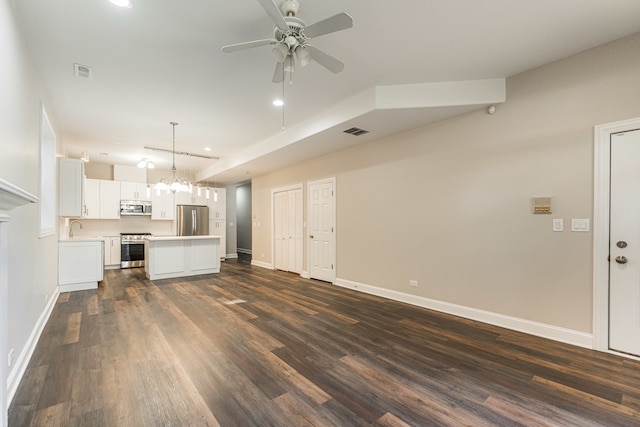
[(160, 61)]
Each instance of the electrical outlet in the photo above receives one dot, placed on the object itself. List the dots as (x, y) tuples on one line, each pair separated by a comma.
[(10, 357), (413, 283)]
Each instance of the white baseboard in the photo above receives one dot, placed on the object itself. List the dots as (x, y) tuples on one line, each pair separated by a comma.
[(78, 286), (15, 375), (231, 256), (244, 251), (305, 275), (568, 336), (262, 264)]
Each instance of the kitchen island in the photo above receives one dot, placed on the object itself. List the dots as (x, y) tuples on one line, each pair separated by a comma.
[(179, 256)]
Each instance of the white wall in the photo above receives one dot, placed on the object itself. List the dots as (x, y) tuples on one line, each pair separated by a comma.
[(33, 267), (448, 204)]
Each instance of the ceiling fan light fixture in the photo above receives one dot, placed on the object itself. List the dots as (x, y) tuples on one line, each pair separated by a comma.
[(280, 52), (303, 56)]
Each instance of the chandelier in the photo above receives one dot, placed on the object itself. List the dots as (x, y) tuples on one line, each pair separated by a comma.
[(172, 182)]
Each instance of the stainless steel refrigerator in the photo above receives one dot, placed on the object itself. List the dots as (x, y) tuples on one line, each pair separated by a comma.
[(192, 220)]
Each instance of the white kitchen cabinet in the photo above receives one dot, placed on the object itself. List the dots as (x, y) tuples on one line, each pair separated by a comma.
[(80, 264), (134, 191), (112, 251), (91, 199), (184, 198), (217, 204), (102, 199), (109, 199), (218, 227), (70, 187), (163, 206)]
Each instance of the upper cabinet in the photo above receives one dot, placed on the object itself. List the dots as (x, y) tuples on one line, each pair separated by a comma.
[(109, 199), (102, 199), (183, 198), (70, 187), (162, 205), (135, 191), (91, 199), (217, 203)]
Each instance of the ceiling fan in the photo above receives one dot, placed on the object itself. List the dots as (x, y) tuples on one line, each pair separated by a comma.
[(291, 38)]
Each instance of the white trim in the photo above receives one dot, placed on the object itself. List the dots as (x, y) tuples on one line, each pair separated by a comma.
[(4, 317), (568, 336), (231, 256), (12, 196), (262, 264), (15, 376), (305, 274), (601, 187), (335, 222)]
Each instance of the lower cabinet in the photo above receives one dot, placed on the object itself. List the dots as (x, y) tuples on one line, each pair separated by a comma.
[(112, 251), (218, 227), (80, 264)]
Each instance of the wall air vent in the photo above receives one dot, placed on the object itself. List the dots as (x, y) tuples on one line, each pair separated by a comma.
[(356, 131), (83, 71)]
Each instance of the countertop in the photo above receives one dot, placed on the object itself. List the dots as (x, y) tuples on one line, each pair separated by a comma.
[(82, 239), (160, 238)]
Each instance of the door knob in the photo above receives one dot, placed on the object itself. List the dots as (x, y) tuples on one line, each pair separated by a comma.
[(621, 244), (311, 237), (620, 259)]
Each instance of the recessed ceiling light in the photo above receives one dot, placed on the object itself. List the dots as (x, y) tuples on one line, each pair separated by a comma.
[(278, 102), (122, 3), (207, 148)]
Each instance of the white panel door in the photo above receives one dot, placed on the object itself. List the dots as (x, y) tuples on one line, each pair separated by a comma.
[(321, 231), (624, 271), (280, 231), (295, 230)]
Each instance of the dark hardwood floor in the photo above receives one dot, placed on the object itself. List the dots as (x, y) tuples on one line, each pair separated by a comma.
[(253, 347)]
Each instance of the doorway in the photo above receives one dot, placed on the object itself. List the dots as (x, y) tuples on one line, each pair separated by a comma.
[(616, 262), (244, 227)]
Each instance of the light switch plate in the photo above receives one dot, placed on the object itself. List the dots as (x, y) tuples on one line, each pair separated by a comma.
[(580, 225), (558, 224)]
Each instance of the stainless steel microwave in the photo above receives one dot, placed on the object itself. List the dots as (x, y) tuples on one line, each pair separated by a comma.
[(135, 207)]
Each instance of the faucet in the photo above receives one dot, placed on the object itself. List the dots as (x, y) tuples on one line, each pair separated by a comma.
[(71, 226)]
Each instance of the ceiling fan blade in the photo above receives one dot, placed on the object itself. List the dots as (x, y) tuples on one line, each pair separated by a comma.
[(338, 22), (327, 61), (278, 73), (247, 45), (274, 13)]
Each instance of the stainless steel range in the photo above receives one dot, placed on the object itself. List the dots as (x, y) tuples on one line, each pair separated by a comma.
[(132, 249)]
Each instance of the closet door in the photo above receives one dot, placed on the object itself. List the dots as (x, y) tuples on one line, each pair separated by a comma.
[(288, 230), (280, 231), (294, 223)]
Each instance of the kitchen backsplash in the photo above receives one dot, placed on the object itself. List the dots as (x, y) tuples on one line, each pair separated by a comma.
[(113, 227)]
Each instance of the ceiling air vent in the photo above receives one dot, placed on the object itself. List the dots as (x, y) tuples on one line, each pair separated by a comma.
[(356, 131), (83, 71)]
